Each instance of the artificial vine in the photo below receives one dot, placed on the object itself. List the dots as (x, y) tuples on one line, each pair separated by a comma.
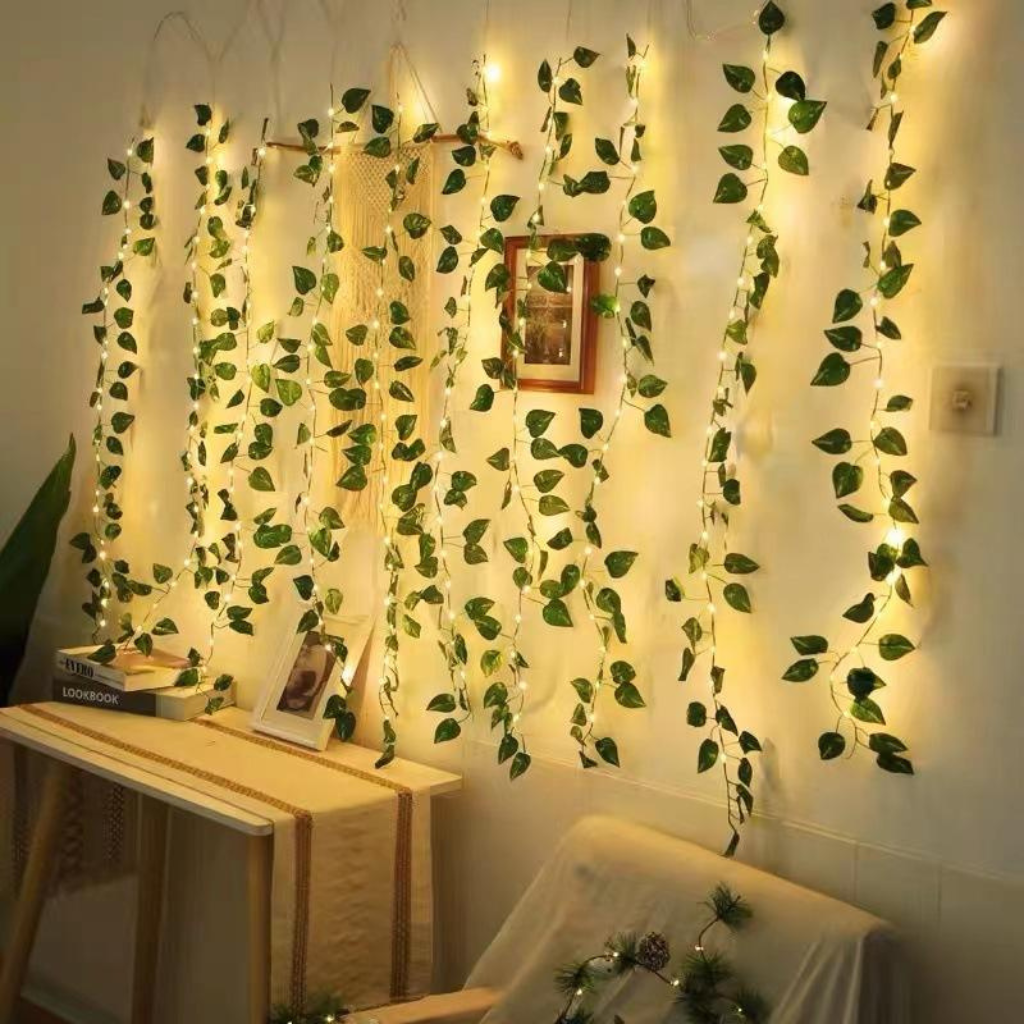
[(637, 211), (110, 397), (401, 512), (209, 564), (451, 489), (865, 328), (705, 985), (297, 373), (711, 562), (507, 699), (305, 371), (203, 385), (226, 613), (194, 457)]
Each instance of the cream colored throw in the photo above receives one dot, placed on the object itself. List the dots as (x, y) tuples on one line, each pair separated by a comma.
[(351, 894), (816, 960)]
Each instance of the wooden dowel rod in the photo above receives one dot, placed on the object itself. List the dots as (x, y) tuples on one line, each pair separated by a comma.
[(510, 145)]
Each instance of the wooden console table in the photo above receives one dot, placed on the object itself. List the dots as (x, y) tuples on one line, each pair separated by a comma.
[(31, 727)]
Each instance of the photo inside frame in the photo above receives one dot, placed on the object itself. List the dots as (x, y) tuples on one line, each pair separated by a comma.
[(554, 324), (309, 676), (308, 671)]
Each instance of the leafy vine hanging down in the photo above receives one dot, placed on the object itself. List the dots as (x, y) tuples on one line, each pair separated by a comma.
[(311, 362), (711, 562), (401, 512), (603, 604), (203, 385), (226, 613), (451, 489), (507, 700), (864, 329), (110, 399), (530, 554), (210, 565), (295, 374), (705, 985)]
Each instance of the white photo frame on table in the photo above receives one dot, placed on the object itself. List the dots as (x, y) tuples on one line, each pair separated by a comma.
[(306, 674)]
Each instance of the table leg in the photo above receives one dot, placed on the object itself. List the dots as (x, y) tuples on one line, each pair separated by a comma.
[(259, 858), (33, 886), (153, 816)]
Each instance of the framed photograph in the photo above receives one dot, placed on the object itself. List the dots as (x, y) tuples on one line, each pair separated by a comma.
[(307, 673), (560, 333)]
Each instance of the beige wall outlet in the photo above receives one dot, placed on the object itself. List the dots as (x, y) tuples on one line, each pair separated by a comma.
[(964, 399)]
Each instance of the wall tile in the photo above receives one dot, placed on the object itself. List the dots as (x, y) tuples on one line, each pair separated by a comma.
[(974, 961)]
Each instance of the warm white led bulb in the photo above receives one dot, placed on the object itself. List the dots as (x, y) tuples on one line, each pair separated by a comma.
[(895, 537)]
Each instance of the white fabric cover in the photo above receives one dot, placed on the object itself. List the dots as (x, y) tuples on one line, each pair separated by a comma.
[(815, 959)]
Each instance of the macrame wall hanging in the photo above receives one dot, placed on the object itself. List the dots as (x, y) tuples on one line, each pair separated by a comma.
[(363, 207)]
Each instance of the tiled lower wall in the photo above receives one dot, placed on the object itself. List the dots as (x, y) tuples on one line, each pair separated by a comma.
[(964, 932)]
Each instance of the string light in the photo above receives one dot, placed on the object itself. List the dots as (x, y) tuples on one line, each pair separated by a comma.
[(318, 523), (713, 990), (393, 229), (718, 569), (110, 396), (226, 613), (851, 688), (514, 747), (193, 459)]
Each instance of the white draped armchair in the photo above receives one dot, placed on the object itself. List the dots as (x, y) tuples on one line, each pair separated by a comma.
[(816, 960)]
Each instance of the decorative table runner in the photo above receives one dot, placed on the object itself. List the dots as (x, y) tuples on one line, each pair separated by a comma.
[(351, 904)]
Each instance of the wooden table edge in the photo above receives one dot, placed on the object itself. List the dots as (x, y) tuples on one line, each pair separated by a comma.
[(179, 795)]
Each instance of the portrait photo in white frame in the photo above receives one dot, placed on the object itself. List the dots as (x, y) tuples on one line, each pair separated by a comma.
[(308, 671)]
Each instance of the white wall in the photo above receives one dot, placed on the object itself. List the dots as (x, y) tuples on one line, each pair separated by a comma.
[(941, 853)]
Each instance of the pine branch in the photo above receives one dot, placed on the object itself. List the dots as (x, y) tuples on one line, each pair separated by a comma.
[(728, 907), (706, 985), (752, 1005), (575, 978)]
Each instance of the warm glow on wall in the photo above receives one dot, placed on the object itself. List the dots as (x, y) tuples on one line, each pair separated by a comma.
[(258, 437)]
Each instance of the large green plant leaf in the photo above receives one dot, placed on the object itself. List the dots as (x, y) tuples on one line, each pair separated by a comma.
[(25, 562)]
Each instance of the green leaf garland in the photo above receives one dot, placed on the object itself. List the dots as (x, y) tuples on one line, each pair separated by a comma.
[(710, 560), (867, 471)]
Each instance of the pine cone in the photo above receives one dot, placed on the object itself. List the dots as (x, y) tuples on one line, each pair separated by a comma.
[(653, 952)]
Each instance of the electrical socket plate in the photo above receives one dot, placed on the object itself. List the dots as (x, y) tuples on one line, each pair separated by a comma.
[(964, 399)]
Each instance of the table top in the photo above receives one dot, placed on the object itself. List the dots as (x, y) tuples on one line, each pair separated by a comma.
[(39, 733)]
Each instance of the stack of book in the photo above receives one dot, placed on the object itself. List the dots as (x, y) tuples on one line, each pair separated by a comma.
[(133, 682)]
